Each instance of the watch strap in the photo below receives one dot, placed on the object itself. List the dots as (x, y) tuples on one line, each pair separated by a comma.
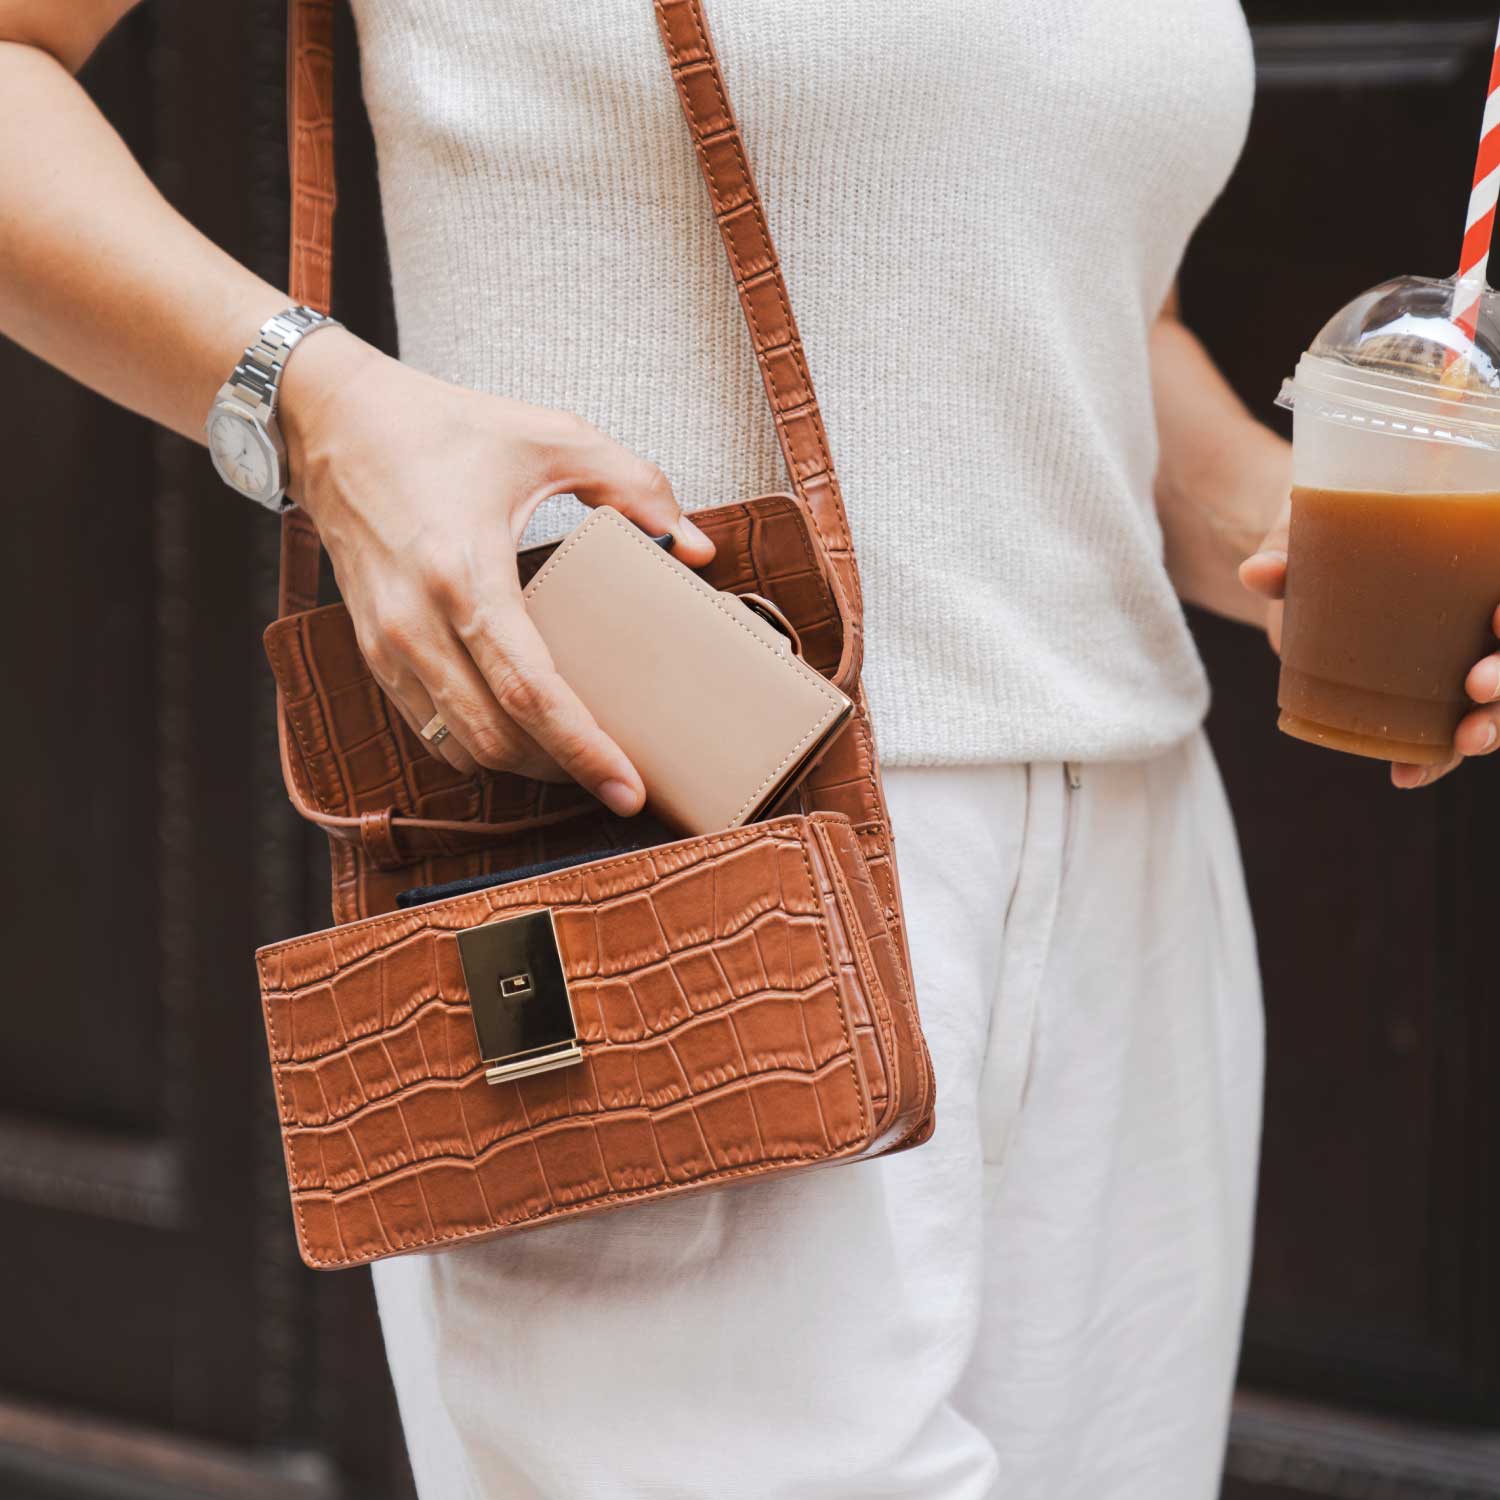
[(256, 380)]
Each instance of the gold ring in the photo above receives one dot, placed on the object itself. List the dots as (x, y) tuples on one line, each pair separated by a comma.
[(434, 731)]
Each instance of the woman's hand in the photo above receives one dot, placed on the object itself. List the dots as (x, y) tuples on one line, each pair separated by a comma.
[(1478, 733), (1264, 573), (420, 491)]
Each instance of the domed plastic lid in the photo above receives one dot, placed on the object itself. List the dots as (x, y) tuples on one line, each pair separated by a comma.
[(1406, 326), (1396, 358)]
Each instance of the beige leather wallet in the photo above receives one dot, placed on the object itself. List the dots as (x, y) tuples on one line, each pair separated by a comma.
[(706, 696)]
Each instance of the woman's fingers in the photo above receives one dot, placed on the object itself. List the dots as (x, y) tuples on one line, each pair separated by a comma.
[(600, 471), (1408, 777), (426, 673), (1483, 682), (388, 657), (519, 672), (490, 738), (1264, 571), (1479, 732), (417, 708)]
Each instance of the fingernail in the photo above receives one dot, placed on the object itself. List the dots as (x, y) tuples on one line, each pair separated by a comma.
[(1272, 555), (620, 798), (1489, 737), (1492, 677), (687, 531), (1408, 778)]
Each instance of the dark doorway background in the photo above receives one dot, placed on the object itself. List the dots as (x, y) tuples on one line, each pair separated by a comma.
[(160, 1337)]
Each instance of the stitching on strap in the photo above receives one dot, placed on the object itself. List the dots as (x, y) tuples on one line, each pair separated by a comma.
[(840, 541)]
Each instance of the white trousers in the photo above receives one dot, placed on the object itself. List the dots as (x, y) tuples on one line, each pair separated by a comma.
[(1041, 1303)]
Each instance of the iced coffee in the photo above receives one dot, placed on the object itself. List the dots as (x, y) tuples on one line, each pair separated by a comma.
[(1393, 570)]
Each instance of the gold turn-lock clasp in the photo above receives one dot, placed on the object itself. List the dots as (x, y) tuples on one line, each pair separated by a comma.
[(523, 1014)]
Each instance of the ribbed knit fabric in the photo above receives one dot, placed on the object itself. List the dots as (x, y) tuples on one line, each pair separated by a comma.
[(979, 205)]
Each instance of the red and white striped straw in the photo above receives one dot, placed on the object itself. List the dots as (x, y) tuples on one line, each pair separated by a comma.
[(1479, 226)]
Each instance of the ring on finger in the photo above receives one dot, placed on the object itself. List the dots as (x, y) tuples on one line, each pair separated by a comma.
[(435, 731)]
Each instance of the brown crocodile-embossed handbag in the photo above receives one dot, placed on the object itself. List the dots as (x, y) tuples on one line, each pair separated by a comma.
[(576, 1036)]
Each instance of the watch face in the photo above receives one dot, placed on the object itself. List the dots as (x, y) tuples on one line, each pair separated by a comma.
[(241, 453)]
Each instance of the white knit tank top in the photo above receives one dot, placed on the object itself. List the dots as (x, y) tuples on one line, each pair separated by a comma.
[(979, 205)]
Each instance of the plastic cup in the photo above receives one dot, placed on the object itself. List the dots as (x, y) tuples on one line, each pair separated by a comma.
[(1393, 561)]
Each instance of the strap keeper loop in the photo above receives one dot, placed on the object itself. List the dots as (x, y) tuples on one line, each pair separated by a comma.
[(378, 839)]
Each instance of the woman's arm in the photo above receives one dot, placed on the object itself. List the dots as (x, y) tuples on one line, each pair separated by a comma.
[(1221, 478), (98, 274), (420, 490)]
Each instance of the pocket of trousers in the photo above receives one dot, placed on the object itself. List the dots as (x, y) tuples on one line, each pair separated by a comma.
[(1055, 796)]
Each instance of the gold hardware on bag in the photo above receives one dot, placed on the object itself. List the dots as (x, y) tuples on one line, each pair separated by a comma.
[(523, 1014)]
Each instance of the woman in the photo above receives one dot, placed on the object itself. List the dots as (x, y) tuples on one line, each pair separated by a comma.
[(981, 209)]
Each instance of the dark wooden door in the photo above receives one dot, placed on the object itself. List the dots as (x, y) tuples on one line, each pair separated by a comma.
[(158, 1335), (1372, 1355)]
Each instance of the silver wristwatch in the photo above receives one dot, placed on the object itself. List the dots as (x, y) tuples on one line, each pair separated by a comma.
[(244, 438)]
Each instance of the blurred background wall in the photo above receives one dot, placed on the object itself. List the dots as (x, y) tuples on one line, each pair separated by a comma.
[(158, 1337)]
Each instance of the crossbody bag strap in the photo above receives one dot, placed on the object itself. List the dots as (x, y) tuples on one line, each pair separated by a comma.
[(747, 242), (757, 278), (309, 128)]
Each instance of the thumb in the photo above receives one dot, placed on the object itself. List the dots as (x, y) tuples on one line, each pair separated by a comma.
[(604, 472), (1264, 571)]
